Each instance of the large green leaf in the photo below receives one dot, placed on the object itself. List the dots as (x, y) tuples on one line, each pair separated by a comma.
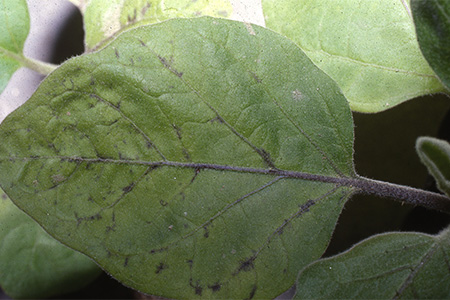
[(387, 266), (14, 24), (104, 20), (191, 158), (435, 155), (432, 20), (32, 263), (368, 47)]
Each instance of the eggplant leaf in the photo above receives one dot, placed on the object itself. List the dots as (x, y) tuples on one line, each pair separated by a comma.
[(386, 266), (32, 263), (432, 20), (104, 20), (15, 24), (368, 47), (191, 158)]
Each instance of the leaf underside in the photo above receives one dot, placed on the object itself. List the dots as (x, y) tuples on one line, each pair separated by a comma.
[(182, 158), (435, 155), (387, 266), (14, 24), (368, 47)]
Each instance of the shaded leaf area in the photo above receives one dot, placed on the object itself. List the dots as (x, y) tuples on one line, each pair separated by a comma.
[(368, 47), (104, 20), (432, 21), (32, 263), (191, 158), (435, 155), (386, 266), (15, 24)]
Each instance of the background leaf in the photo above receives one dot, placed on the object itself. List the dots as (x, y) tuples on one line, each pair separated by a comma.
[(432, 20), (435, 155), (368, 47), (106, 19), (15, 24), (32, 263), (387, 266), (167, 157)]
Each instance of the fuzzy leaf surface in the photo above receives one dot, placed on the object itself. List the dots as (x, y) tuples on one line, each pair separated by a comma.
[(435, 155), (432, 20), (190, 158), (386, 266), (32, 263), (368, 47), (104, 20), (14, 24)]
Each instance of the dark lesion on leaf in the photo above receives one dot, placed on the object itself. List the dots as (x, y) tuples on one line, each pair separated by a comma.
[(142, 43), (160, 268), (197, 287), (215, 287), (246, 265), (266, 157), (145, 8), (97, 216), (163, 203), (252, 292), (159, 250), (129, 187), (177, 131), (132, 18), (197, 171), (168, 66), (217, 119), (206, 234), (125, 263), (257, 79), (113, 226)]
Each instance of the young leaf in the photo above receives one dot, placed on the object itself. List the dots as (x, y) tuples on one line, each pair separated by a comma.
[(104, 20), (191, 158), (14, 24), (432, 20), (435, 155), (368, 47), (386, 266), (32, 263)]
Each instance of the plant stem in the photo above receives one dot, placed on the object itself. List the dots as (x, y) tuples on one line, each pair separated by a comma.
[(38, 66), (33, 64), (360, 184), (402, 193)]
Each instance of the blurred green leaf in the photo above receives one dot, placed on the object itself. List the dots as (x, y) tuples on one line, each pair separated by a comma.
[(435, 155), (104, 20), (32, 263), (386, 266), (368, 47), (176, 157), (14, 24), (432, 20)]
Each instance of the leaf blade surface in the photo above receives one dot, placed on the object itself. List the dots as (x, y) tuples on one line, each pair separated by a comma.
[(369, 48), (187, 152), (432, 21), (15, 23), (105, 20), (435, 155), (392, 265), (33, 264)]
